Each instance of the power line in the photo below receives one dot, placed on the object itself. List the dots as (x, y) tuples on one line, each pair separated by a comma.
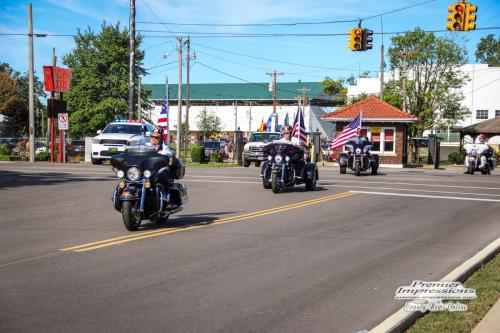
[(289, 24)]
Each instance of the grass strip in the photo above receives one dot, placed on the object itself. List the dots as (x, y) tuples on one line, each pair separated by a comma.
[(486, 281)]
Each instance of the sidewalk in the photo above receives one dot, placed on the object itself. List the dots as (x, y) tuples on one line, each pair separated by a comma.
[(491, 322)]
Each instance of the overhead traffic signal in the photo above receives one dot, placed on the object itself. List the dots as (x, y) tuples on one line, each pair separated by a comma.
[(355, 36), (470, 17), (456, 20), (366, 40)]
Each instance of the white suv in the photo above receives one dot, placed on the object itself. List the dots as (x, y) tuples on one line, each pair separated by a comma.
[(116, 136)]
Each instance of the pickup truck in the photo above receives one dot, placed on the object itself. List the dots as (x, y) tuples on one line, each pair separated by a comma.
[(253, 151)]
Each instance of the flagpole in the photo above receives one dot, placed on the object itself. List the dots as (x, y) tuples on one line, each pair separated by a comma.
[(168, 110)]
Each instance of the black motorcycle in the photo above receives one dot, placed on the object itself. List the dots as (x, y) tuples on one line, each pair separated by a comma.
[(285, 167), (147, 189), (358, 157)]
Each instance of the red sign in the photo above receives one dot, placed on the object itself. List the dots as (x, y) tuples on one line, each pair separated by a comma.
[(57, 79)]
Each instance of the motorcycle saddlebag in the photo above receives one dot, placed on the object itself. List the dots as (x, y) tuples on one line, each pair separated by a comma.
[(177, 170)]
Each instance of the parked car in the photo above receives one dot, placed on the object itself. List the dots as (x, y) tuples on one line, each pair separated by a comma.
[(77, 147), (213, 147)]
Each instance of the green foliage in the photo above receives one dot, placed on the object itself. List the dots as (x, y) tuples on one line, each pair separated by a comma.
[(433, 78), (208, 123), (42, 156), (335, 89), (393, 94), (452, 157), (14, 100), (488, 50), (215, 158), (4, 150), (99, 90), (4, 158), (197, 153), (358, 98)]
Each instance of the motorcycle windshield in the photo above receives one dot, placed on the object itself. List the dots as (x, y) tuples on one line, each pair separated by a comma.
[(363, 145), (284, 149), (143, 157)]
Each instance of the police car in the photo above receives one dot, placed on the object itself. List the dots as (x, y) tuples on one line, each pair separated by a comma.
[(116, 136)]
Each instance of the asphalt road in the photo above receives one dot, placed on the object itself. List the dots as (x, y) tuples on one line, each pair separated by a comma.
[(238, 258)]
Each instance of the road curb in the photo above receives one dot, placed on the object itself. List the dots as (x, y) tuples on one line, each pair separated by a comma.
[(401, 320)]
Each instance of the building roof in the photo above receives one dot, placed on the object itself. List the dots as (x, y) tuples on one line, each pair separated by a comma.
[(490, 126), (236, 91), (373, 109)]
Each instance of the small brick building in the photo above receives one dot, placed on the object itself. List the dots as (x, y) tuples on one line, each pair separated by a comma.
[(383, 124)]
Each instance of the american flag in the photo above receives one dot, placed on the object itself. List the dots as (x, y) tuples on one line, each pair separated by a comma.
[(299, 132), (348, 132), (163, 118)]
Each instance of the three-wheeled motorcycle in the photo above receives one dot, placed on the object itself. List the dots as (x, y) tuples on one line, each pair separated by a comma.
[(358, 157), (147, 188), (286, 167)]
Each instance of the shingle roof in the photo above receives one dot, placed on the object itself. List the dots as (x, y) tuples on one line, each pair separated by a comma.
[(490, 126), (373, 109), (236, 91)]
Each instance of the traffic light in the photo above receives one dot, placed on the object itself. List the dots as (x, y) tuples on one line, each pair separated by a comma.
[(355, 39), (366, 39), (456, 20), (470, 17)]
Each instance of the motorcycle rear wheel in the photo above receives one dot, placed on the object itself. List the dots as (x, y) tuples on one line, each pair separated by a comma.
[(343, 169), (130, 218)]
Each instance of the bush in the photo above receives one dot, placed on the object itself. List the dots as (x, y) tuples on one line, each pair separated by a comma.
[(198, 153), (4, 158), (42, 156), (215, 158), (452, 157), (4, 151)]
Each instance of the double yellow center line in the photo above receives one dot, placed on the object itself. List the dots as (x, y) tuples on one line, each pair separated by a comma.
[(155, 233)]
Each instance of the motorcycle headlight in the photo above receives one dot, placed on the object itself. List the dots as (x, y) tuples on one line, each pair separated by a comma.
[(94, 140), (287, 159), (358, 150), (120, 174), (133, 173), (147, 173), (278, 158), (269, 157)]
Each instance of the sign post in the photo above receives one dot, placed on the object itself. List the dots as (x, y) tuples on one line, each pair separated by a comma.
[(57, 79)]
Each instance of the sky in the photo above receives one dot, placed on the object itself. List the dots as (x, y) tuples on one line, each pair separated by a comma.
[(237, 59)]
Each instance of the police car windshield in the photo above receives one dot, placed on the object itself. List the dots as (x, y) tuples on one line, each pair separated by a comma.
[(261, 137), (123, 128)]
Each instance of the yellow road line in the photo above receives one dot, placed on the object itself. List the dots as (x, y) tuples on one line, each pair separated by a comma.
[(150, 234)]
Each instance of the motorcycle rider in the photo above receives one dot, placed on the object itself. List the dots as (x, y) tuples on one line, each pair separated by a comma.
[(484, 155), (162, 149), (287, 134)]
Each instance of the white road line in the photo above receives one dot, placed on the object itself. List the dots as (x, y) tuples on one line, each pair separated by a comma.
[(426, 196), (412, 184), (412, 190)]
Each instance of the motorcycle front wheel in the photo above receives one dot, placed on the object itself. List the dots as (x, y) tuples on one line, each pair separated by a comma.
[(275, 183), (131, 219), (471, 168), (357, 168)]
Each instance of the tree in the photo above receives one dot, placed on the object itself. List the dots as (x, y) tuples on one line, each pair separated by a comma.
[(208, 123), (488, 50), (393, 94), (434, 79), (100, 79), (335, 89), (358, 98), (14, 100)]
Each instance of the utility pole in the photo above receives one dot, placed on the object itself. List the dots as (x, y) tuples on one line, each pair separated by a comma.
[(179, 102), (31, 87), (131, 62), (250, 119), (404, 54), (139, 107), (382, 66), (274, 74), (188, 57)]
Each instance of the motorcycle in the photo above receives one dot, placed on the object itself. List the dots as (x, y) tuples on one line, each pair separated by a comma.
[(141, 193), (479, 157), (358, 157), (285, 167)]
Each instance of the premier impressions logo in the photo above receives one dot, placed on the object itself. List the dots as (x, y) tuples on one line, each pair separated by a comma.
[(429, 295)]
